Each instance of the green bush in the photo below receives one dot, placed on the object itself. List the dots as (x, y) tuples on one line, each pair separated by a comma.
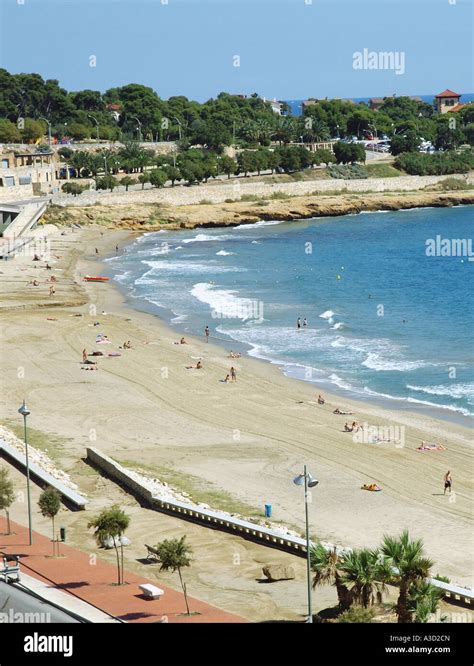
[(347, 171), (357, 614), (422, 164)]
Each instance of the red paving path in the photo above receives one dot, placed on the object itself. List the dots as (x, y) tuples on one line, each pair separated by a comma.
[(94, 583)]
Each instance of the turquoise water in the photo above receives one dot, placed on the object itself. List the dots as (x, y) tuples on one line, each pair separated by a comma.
[(385, 321)]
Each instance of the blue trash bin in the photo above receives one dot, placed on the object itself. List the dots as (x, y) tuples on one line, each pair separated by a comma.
[(268, 510)]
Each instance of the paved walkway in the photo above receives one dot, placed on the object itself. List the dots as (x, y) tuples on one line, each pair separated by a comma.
[(92, 580)]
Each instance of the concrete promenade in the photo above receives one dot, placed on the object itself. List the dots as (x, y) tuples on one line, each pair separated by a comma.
[(86, 577)]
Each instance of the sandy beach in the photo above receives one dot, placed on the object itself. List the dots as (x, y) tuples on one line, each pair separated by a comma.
[(236, 444)]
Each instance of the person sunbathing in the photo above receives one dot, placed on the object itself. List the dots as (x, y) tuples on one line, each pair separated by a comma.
[(338, 411), (35, 283), (355, 426), (321, 400), (183, 342), (430, 446), (347, 428), (371, 486), (198, 366)]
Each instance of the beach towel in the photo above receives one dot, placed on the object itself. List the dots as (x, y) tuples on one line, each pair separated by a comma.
[(114, 354)]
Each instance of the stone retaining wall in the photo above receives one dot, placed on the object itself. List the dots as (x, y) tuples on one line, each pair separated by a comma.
[(238, 187)]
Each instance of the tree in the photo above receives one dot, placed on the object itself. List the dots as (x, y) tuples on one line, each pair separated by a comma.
[(158, 177), (106, 183), (111, 524), (74, 188), (32, 130), (127, 181), (9, 133), (261, 160), (144, 178), (348, 152), (174, 555), (173, 174), (326, 567), (49, 504), (423, 600), (79, 131), (227, 165), (404, 143), (322, 156), (410, 565), (246, 161), (7, 495), (364, 573), (447, 138)]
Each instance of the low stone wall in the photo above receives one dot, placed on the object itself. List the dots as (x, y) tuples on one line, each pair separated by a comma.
[(236, 188), (241, 528)]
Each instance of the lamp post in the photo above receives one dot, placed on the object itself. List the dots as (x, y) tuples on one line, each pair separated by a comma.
[(24, 411), (97, 124), (49, 129), (139, 128), (309, 482)]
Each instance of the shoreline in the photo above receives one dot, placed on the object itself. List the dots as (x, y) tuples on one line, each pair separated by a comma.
[(246, 440), (385, 402), (286, 368), (148, 217)]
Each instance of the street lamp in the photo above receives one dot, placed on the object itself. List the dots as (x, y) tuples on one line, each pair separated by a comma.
[(139, 128), (96, 122), (49, 129), (24, 411), (309, 482)]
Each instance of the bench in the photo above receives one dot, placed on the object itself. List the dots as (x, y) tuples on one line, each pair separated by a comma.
[(152, 555), (151, 591), (10, 569)]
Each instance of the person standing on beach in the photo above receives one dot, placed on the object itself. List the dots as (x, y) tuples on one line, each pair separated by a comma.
[(298, 323), (207, 332), (448, 482), (84, 355), (233, 375)]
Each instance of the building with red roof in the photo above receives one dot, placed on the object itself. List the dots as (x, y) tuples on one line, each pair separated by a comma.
[(447, 100)]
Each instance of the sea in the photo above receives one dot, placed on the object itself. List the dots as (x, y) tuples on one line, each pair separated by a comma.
[(386, 321), (296, 105)]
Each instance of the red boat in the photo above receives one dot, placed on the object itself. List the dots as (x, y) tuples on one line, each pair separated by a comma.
[(99, 278)]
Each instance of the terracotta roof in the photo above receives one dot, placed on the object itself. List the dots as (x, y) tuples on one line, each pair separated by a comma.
[(448, 93), (114, 107), (456, 108)]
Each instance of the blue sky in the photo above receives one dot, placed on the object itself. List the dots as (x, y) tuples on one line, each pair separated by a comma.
[(288, 49)]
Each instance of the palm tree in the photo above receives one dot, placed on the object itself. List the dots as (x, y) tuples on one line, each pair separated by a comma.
[(411, 567), (365, 573), (111, 524), (174, 554), (423, 600), (326, 566), (284, 130)]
